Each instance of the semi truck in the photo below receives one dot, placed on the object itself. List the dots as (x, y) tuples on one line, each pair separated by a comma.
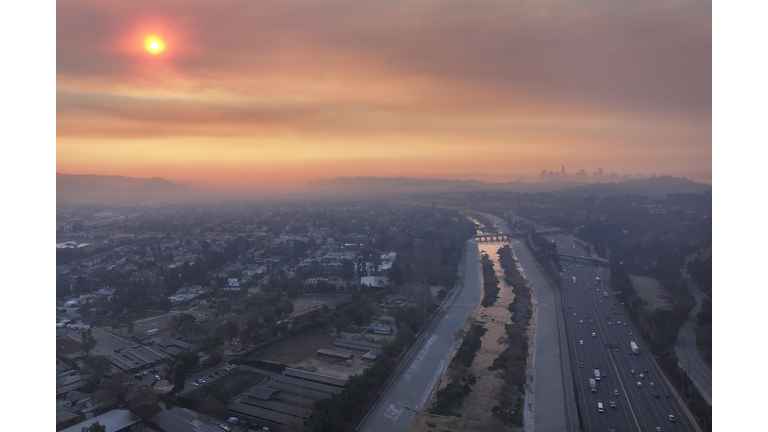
[(633, 345), (597, 374), (592, 385), (574, 279)]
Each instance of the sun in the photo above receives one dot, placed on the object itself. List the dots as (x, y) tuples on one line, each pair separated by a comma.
[(154, 44)]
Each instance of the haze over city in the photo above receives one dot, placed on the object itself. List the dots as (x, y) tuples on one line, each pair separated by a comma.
[(277, 94), (379, 216)]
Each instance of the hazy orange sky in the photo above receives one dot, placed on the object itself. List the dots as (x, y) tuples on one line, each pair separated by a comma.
[(278, 93)]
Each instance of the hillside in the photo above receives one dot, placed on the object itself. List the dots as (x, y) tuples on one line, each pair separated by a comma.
[(83, 189), (366, 186)]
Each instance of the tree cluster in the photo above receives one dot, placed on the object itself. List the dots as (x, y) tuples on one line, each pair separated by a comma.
[(461, 379), (490, 282), (342, 411), (700, 270)]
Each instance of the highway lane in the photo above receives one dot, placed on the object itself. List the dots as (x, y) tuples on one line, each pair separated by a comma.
[(429, 357), (549, 396), (637, 409)]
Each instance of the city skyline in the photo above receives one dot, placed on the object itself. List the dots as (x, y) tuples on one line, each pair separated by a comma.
[(595, 176), (279, 94)]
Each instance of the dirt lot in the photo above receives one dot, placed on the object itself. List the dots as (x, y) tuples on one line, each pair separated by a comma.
[(299, 348), (300, 353), (304, 305), (651, 291), (66, 345)]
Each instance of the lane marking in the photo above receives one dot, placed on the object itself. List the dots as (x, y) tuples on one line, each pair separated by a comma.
[(392, 412), (419, 358)]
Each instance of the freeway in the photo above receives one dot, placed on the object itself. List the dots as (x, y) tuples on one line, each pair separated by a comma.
[(429, 356), (599, 335)]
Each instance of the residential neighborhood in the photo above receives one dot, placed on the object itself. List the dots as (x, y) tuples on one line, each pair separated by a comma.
[(171, 314)]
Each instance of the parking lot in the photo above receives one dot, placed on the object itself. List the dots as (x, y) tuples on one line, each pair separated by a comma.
[(237, 381)]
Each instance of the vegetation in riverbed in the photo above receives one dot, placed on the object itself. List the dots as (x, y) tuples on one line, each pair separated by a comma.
[(490, 282), (461, 379), (513, 360)]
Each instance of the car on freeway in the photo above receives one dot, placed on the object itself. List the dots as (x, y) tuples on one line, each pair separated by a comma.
[(613, 404), (574, 314), (632, 371), (618, 322), (581, 342), (594, 334), (610, 323), (616, 392), (651, 383), (616, 349), (656, 395), (581, 365), (581, 321), (639, 384), (672, 418), (642, 376), (630, 333), (658, 429), (591, 321)]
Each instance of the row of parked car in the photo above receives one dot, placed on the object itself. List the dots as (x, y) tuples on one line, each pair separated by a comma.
[(141, 375), (214, 375)]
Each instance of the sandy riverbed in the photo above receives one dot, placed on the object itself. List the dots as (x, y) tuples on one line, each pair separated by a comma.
[(476, 408)]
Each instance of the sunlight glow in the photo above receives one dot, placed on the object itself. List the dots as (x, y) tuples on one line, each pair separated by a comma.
[(154, 44)]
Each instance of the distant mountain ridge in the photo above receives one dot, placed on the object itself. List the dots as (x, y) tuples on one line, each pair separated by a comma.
[(89, 189), (654, 186)]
